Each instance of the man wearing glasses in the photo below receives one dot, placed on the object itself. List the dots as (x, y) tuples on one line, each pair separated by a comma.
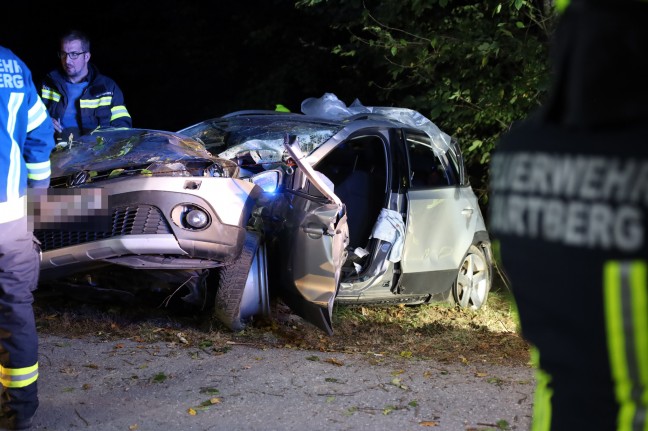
[(79, 98)]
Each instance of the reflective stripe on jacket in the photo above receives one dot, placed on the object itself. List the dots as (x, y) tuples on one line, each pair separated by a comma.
[(101, 104), (26, 136)]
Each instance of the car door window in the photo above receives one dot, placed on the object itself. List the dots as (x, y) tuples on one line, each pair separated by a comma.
[(429, 166)]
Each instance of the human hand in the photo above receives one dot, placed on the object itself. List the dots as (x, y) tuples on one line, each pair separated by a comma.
[(57, 125)]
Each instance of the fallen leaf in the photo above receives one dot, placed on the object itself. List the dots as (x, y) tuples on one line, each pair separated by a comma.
[(191, 411), (387, 410), (350, 411), (478, 374), (202, 408), (159, 377), (406, 354), (429, 424), (133, 427), (204, 344), (334, 361), (397, 372)]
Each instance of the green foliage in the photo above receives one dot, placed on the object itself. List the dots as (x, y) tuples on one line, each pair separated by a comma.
[(473, 67)]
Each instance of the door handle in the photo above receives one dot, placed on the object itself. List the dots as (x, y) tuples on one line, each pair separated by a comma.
[(316, 231), (467, 212)]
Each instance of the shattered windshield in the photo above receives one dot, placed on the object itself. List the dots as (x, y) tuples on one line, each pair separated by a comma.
[(260, 136), (116, 148)]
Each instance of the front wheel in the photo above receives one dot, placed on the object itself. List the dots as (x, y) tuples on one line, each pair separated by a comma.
[(473, 283), (243, 286)]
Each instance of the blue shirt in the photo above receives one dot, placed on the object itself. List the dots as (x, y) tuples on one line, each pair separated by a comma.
[(70, 117)]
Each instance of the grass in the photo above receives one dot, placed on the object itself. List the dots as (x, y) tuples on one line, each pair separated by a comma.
[(431, 331)]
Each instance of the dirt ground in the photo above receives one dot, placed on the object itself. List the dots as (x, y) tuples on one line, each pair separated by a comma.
[(92, 383), (103, 369)]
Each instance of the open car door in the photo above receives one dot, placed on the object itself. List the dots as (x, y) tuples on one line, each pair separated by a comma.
[(316, 237)]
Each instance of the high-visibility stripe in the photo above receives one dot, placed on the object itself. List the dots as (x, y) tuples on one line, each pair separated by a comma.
[(95, 103), (50, 94), (542, 397), (37, 114), (118, 111), (15, 157), (18, 377), (39, 171), (561, 5), (626, 315)]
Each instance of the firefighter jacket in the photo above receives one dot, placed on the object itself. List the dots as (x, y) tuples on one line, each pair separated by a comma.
[(569, 210), (26, 137), (100, 105)]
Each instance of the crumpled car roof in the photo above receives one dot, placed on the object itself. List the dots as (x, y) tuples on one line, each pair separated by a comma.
[(329, 106), (262, 133)]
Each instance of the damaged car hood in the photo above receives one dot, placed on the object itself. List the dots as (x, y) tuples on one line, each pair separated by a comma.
[(155, 152)]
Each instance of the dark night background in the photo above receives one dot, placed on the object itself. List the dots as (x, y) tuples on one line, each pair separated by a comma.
[(181, 62)]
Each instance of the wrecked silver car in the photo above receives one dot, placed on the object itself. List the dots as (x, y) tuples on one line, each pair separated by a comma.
[(132, 210), (353, 204), (413, 231)]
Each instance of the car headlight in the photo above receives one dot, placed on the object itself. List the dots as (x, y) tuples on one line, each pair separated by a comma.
[(197, 218), (190, 217)]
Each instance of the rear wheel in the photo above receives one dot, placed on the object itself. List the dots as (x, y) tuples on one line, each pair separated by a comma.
[(242, 286), (473, 283)]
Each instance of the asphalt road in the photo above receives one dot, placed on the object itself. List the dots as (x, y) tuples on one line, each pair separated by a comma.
[(90, 384)]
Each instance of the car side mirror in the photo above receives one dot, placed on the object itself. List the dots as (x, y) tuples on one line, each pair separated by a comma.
[(267, 180)]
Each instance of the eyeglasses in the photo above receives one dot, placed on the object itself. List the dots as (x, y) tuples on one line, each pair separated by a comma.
[(72, 55)]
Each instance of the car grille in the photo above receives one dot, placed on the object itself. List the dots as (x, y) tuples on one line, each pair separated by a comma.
[(128, 220)]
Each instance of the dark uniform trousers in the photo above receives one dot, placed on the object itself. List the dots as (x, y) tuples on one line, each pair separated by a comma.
[(19, 268), (569, 212)]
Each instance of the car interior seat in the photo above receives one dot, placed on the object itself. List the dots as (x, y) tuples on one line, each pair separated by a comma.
[(363, 188)]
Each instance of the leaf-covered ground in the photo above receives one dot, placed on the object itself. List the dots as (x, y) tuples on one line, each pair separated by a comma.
[(435, 331)]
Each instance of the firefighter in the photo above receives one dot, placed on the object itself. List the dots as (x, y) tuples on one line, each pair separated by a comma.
[(26, 141), (569, 209), (79, 98)]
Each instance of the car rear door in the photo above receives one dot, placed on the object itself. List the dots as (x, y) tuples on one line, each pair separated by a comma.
[(314, 241), (441, 220)]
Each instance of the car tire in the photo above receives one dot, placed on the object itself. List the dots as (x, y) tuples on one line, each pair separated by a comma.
[(470, 289), (232, 282)]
